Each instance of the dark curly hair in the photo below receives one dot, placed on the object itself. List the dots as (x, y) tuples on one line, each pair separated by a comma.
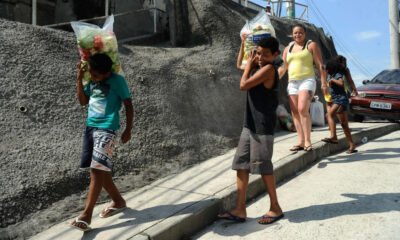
[(100, 63), (271, 43), (333, 66)]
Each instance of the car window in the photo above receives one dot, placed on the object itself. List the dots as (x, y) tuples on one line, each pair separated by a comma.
[(386, 77)]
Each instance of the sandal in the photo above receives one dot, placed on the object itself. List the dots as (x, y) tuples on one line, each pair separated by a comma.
[(86, 227), (231, 217), (266, 219), (296, 148), (330, 140), (308, 148), (110, 211), (350, 151)]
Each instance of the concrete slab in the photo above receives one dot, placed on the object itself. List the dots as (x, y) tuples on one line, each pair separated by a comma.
[(146, 209), (342, 197), (205, 178)]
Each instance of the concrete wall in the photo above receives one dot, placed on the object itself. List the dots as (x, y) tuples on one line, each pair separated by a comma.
[(64, 11)]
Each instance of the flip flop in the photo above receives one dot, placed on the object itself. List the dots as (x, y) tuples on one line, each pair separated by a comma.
[(296, 148), (330, 140), (232, 217), (351, 151), (272, 219), (77, 220), (308, 148), (110, 211)]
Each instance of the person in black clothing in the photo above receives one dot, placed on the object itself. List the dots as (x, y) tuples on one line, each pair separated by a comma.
[(260, 79)]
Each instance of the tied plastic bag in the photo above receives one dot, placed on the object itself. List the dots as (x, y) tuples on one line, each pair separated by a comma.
[(317, 112), (254, 30), (284, 118), (93, 39)]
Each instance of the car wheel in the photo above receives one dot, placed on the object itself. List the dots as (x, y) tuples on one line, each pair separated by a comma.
[(358, 118)]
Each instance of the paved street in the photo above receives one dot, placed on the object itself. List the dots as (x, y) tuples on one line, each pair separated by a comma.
[(341, 197)]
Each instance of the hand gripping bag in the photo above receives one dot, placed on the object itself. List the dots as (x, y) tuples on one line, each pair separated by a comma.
[(94, 39), (254, 30)]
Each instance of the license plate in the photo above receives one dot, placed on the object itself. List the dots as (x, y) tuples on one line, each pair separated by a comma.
[(381, 105)]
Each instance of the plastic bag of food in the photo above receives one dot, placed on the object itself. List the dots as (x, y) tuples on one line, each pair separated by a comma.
[(285, 120), (253, 31), (94, 39)]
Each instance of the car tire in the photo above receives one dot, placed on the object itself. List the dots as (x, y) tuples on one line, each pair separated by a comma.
[(358, 118)]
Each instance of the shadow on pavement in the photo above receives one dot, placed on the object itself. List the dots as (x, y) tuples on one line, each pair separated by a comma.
[(132, 218), (361, 204), (367, 155)]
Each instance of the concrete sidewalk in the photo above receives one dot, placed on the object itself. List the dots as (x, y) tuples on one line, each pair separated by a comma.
[(179, 205), (343, 196)]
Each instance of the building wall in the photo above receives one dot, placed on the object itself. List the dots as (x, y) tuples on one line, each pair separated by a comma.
[(50, 12)]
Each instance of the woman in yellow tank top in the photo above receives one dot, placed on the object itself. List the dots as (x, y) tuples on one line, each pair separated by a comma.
[(299, 58)]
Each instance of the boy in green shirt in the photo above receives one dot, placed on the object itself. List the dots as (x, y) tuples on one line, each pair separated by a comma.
[(105, 94)]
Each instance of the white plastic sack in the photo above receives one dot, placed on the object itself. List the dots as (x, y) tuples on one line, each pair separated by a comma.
[(284, 118), (254, 30), (317, 112), (93, 39), (281, 111)]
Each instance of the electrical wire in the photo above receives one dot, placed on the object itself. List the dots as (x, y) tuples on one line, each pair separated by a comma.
[(340, 43), (323, 21)]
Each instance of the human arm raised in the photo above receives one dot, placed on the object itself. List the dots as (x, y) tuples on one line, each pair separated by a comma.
[(239, 59), (83, 99), (240, 56), (263, 75)]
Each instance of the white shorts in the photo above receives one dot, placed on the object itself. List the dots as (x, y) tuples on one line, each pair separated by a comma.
[(294, 86)]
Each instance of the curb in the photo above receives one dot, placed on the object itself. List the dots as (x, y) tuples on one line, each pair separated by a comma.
[(201, 214)]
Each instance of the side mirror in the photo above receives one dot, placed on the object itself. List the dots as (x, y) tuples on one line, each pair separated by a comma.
[(364, 82)]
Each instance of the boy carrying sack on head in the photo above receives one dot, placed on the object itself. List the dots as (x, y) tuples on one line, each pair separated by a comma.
[(254, 153), (105, 93)]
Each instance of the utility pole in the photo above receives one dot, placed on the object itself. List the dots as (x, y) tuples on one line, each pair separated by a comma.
[(34, 12), (107, 7), (394, 33), (291, 9)]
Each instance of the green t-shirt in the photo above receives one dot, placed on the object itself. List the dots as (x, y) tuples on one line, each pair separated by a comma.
[(105, 100)]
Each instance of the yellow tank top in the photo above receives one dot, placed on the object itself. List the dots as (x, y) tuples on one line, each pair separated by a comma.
[(300, 64)]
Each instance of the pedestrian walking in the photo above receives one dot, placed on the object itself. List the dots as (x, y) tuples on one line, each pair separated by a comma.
[(104, 94), (299, 58), (254, 152), (339, 104)]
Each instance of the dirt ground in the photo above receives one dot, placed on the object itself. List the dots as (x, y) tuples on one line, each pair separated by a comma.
[(188, 108)]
